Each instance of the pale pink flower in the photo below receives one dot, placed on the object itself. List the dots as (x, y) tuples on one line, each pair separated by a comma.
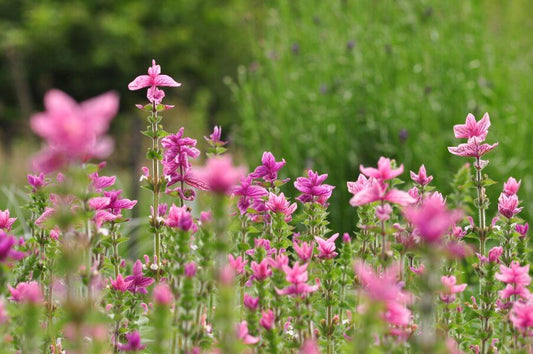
[(163, 294), (450, 288), (73, 131), (397, 314), (219, 174), (237, 264), (154, 78), (214, 138), (508, 205), (494, 255), (471, 128), (326, 248), (522, 316), (514, 274), (27, 292), (376, 190), (3, 313), (382, 286), (297, 276), (244, 335), (304, 250), (511, 186), (280, 204), (279, 260), (421, 178), (7, 250), (473, 148), (5, 221), (267, 319), (384, 170)]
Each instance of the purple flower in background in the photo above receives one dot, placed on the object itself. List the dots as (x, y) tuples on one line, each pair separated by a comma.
[(6, 247), (297, 276), (119, 284), (138, 282), (133, 343), (313, 189), (215, 136)]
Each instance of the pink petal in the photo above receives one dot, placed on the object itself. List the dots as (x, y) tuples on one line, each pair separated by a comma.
[(165, 80), (140, 82)]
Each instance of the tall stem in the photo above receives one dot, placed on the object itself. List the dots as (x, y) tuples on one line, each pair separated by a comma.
[(481, 207), (155, 171)]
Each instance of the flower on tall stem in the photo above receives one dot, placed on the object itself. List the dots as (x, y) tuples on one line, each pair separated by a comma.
[(153, 80), (313, 188), (219, 174)]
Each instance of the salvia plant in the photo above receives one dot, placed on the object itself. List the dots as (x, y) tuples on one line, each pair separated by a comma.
[(240, 266)]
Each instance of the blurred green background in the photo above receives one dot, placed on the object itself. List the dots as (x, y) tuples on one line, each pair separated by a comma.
[(327, 85)]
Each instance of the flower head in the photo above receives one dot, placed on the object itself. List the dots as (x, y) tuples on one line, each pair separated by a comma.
[(180, 218), (508, 205), (163, 294), (137, 281), (219, 175), (450, 288), (153, 79), (133, 343), (313, 189), (421, 178), (471, 128), (384, 170), (28, 292), (511, 186), (326, 248), (297, 276), (267, 319), (5, 221), (269, 168), (522, 316)]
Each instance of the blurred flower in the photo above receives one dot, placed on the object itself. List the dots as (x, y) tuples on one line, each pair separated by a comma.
[(376, 190), (37, 181), (522, 229), (244, 335), (27, 292), (237, 264), (522, 316), (214, 138), (297, 276), (163, 294), (384, 170), (261, 270), (450, 288), (5, 221), (219, 175), (133, 344), (473, 148), (267, 319), (190, 269)]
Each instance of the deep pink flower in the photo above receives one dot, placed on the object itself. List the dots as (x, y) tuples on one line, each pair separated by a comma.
[(269, 168), (119, 284), (432, 219), (180, 218), (267, 319), (244, 335), (450, 288), (163, 294), (214, 138), (219, 174), (494, 255), (251, 302), (190, 269), (514, 274), (522, 229), (297, 276), (280, 204), (137, 281), (304, 250), (473, 148), (326, 248), (313, 189), (511, 186), (508, 205), (261, 270), (154, 78), (73, 131), (28, 292), (5, 221), (383, 172), (522, 316), (100, 182), (421, 178), (6, 247), (37, 181), (117, 204), (134, 343), (237, 264), (471, 128), (248, 192), (376, 190)]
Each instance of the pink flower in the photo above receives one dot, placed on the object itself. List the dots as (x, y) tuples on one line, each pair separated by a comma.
[(432, 219), (297, 276), (383, 286), (384, 170), (214, 138), (267, 319), (279, 260), (134, 343), (6, 247), (251, 302), (244, 335), (494, 255), (450, 289), (304, 250), (522, 229), (471, 128), (309, 346), (180, 218), (37, 182), (28, 292), (269, 168), (119, 284), (190, 269), (421, 178), (508, 205), (137, 281), (280, 204), (383, 212), (473, 148), (219, 174), (326, 248), (522, 316), (5, 221), (375, 190), (514, 274), (163, 294), (154, 78), (313, 189), (73, 131), (511, 186), (397, 314), (261, 270), (237, 264), (518, 290), (248, 193), (100, 182)]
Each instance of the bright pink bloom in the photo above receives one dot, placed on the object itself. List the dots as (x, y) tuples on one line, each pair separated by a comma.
[(100, 182), (432, 219), (304, 250), (450, 288), (5, 221), (397, 314), (261, 270), (134, 343), (383, 172), (111, 202), (237, 264), (494, 255), (376, 190), (359, 185), (280, 204), (326, 248), (190, 269), (214, 138), (28, 292), (508, 205), (37, 182), (383, 286), (522, 229), (473, 148), (313, 189), (297, 276), (163, 294), (518, 290), (6, 247), (511, 186), (421, 178), (269, 168), (73, 131), (522, 316), (471, 128), (120, 284), (244, 335), (137, 281), (180, 218), (154, 78), (251, 302), (248, 193), (267, 319), (514, 274), (219, 174)]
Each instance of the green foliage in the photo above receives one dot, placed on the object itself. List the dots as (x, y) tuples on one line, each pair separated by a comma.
[(337, 84)]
